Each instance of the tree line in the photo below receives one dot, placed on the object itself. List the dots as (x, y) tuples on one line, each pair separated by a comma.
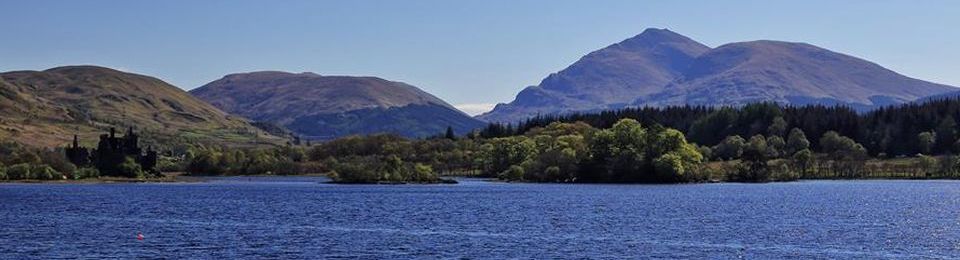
[(757, 142), (903, 130)]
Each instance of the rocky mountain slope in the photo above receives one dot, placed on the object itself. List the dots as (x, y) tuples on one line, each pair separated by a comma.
[(611, 77), (660, 68)]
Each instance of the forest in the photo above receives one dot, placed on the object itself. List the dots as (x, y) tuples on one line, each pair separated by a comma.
[(754, 143)]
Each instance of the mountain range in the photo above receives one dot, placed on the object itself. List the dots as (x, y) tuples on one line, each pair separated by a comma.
[(325, 107), (660, 68), (655, 68), (46, 108)]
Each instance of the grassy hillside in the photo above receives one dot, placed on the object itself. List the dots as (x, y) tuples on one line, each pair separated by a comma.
[(325, 107), (46, 108)]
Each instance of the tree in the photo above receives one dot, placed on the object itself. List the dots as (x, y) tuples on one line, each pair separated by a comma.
[(705, 151), (731, 148), (45, 172), (449, 134), (669, 166), (926, 141), (846, 155), (514, 173), (19, 171), (776, 147), (796, 141), (619, 151), (803, 160), (130, 168), (755, 156), (946, 134), (778, 127)]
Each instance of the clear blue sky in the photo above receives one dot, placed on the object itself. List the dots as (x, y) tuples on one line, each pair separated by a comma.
[(466, 52)]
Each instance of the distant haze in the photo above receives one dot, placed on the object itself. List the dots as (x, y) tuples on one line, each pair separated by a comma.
[(464, 52)]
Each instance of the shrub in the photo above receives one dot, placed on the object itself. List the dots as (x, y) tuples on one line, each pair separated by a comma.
[(350, 172), (130, 168), (45, 172), (553, 173), (514, 173), (168, 164), (3, 172), (669, 166), (780, 170), (86, 172), (285, 167), (19, 172), (423, 173)]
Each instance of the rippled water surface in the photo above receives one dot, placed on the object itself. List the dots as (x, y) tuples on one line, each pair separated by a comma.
[(304, 218)]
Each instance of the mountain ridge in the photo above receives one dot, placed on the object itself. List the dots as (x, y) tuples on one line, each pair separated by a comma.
[(46, 108), (732, 74), (323, 107)]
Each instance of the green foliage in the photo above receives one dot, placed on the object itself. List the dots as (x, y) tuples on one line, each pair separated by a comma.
[(390, 169), (776, 147), (803, 160), (628, 152), (781, 170), (130, 169), (796, 141), (926, 141), (86, 172), (731, 148), (929, 165), (778, 127), (45, 172), (514, 173), (498, 154), (20, 171), (946, 135), (846, 156), (169, 164), (3, 172), (669, 166), (840, 147)]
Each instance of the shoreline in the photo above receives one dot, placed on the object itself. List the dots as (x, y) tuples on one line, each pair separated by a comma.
[(183, 178)]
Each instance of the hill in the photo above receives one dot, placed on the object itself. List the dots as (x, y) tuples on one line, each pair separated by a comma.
[(324, 107), (608, 78), (789, 73), (46, 108), (660, 67)]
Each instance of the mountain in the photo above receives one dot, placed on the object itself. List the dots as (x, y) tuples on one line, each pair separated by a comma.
[(948, 95), (324, 107), (788, 73), (46, 108), (611, 77), (659, 67)]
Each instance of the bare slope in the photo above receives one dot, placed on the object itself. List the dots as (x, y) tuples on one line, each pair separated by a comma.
[(607, 78), (659, 68), (45, 108), (789, 73)]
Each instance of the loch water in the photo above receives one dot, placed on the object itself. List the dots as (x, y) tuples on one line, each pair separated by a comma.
[(306, 218)]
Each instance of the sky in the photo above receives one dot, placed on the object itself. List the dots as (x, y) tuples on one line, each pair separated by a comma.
[(473, 54)]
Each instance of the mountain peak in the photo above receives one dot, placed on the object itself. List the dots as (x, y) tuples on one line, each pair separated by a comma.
[(606, 78), (659, 67), (653, 37)]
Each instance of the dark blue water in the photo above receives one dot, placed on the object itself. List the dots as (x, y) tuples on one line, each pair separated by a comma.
[(302, 218)]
